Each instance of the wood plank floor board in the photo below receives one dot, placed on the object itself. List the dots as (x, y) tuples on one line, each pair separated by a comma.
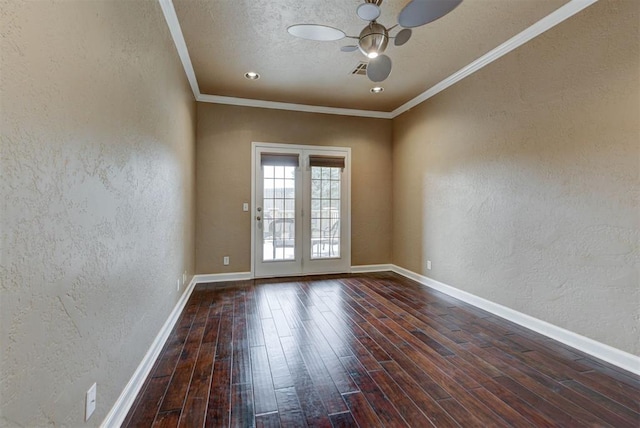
[(224, 345), (355, 347), (343, 420), (219, 406), (462, 416), (242, 411), (419, 395), (612, 373), (193, 413), (387, 413), (395, 354), (167, 419), (327, 389), (145, 412), (546, 409), (407, 408), (310, 402), (618, 409), (561, 373), (368, 350), (610, 387), (542, 385), (174, 398), (334, 368), (268, 420), (263, 391), (361, 410), (289, 408), (195, 406), (280, 374), (288, 303)]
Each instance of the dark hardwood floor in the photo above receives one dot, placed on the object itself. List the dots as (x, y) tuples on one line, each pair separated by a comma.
[(369, 350)]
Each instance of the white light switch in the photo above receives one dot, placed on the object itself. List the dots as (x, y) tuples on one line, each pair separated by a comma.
[(245, 206), (91, 402), (225, 261)]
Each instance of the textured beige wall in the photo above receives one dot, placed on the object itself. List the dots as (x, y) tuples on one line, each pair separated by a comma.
[(521, 183), (97, 191), (225, 134)]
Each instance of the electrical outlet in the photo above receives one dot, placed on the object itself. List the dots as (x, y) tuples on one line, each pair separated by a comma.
[(428, 264), (90, 404), (225, 261)]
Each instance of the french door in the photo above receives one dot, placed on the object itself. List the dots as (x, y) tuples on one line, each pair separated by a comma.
[(301, 210)]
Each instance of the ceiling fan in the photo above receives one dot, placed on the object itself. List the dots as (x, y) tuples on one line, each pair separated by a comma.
[(374, 37)]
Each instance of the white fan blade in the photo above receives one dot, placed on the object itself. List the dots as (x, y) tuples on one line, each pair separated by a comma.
[(349, 48), (321, 33), (379, 69), (421, 12), (368, 11), (402, 37)]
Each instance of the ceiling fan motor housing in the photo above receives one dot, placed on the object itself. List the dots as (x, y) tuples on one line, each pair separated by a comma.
[(373, 39)]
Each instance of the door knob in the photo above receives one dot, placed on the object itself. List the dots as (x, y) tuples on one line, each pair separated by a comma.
[(258, 218), (259, 209)]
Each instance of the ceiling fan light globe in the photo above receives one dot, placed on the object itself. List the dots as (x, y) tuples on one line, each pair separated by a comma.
[(373, 40), (372, 55)]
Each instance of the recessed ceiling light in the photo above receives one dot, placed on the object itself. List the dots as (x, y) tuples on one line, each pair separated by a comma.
[(376, 90), (252, 75)]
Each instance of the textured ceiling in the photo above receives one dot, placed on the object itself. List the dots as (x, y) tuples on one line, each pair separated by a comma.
[(227, 38)]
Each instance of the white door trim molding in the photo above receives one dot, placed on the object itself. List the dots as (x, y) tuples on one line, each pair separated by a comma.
[(592, 347), (554, 18), (308, 266)]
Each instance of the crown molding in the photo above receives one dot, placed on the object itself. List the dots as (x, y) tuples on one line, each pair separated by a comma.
[(543, 25), (181, 46), (218, 99)]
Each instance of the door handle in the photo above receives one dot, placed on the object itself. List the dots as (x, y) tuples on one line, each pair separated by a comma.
[(258, 218)]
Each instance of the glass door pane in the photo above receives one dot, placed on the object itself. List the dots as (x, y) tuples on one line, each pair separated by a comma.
[(279, 202), (325, 212)]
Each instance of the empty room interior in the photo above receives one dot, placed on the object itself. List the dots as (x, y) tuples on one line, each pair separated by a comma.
[(320, 213)]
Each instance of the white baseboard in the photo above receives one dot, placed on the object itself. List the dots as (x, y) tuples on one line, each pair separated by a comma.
[(119, 411), (242, 276), (599, 350), (371, 268), (223, 277)]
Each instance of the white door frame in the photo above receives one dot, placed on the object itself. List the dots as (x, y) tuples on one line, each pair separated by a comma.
[(347, 177)]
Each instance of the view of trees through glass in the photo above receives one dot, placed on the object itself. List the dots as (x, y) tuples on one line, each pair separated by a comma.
[(279, 202), (325, 212)]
